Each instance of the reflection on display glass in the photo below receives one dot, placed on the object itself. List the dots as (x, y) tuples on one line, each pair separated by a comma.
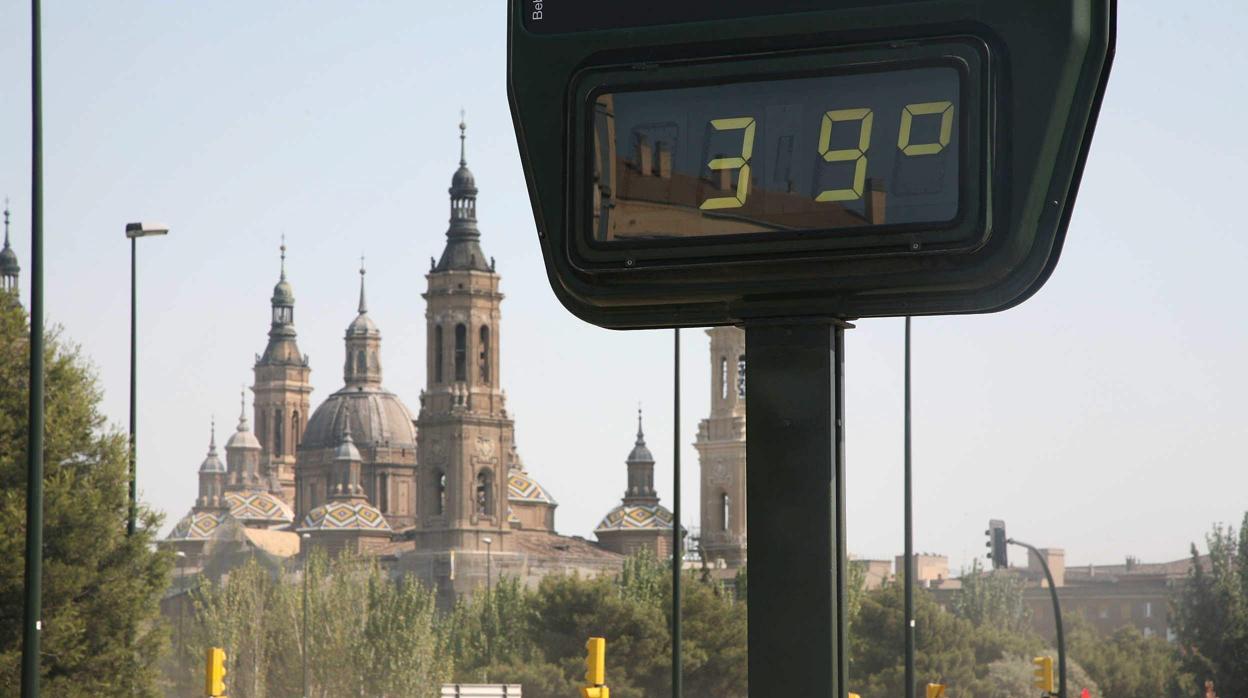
[(820, 153)]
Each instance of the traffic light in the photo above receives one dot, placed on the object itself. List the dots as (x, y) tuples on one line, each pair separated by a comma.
[(935, 690), (1042, 677), (996, 544), (596, 661), (214, 684)]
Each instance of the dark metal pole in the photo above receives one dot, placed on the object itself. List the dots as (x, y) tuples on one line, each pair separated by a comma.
[(134, 369), (1057, 616), (303, 640), (31, 621), (677, 542), (795, 456), (909, 567)]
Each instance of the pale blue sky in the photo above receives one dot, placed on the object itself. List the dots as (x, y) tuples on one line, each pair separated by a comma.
[(1106, 415)]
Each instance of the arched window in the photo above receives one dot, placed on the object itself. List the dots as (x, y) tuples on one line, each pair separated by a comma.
[(723, 378), (383, 492), (483, 359), (277, 433), (485, 492), (361, 363), (439, 492), (461, 353), (295, 436), (726, 505), (437, 354)]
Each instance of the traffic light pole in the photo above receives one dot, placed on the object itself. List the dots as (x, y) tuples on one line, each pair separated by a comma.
[(1057, 616), (795, 467)]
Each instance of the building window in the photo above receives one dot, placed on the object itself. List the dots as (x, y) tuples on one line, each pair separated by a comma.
[(741, 376), (726, 507), (485, 493), (439, 491), (483, 360), (437, 354), (277, 433), (461, 353), (383, 492), (1148, 609), (361, 363), (723, 378), (294, 428)]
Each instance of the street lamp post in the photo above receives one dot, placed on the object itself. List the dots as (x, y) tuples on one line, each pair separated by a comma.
[(303, 634), (134, 231), (489, 572)]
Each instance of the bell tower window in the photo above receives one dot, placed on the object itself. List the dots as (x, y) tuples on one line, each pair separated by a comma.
[(726, 506), (437, 354), (723, 378), (485, 493), (461, 353), (277, 433), (741, 376), (483, 359)]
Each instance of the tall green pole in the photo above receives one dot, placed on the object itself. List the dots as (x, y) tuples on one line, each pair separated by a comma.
[(909, 523), (677, 651), (134, 370), (31, 622)]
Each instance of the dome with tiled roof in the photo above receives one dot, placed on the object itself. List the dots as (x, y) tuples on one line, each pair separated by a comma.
[(258, 507), (345, 515), (199, 525), (636, 516)]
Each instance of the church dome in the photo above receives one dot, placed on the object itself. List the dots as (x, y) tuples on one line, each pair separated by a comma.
[(362, 325), (463, 181), (345, 515), (522, 488), (8, 261), (636, 517), (377, 418), (243, 438), (258, 507), (198, 525), (283, 293)]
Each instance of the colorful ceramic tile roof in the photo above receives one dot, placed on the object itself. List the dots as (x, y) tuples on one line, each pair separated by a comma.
[(198, 525), (636, 516), (258, 506), (522, 488), (345, 516)]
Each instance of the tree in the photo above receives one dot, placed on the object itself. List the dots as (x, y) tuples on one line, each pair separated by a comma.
[(102, 634), (1125, 664), (1210, 613)]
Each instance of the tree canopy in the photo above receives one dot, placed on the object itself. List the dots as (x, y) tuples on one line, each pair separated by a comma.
[(102, 635)]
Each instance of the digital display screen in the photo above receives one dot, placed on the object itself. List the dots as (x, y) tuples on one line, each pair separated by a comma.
[(853, 150)]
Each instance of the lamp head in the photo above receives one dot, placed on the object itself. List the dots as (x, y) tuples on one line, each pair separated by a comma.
[(142, 230)]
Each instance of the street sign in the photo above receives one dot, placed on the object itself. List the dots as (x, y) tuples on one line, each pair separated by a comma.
[(697, 162)]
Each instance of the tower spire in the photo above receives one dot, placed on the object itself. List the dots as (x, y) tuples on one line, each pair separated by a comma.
[(212, 440), (463, 127), (363, 305), (242, 409), (9, 268), (6, 221), (283, 248)]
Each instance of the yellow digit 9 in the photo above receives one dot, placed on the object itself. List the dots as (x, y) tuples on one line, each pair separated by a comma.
[(741, 163), (945, 109), (858, 155)]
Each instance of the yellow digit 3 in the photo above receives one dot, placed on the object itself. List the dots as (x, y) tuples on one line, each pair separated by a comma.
[(945, 109), (741, 163), (858, 155)]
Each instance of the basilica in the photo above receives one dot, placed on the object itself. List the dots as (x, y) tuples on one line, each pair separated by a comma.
[(440, 493)]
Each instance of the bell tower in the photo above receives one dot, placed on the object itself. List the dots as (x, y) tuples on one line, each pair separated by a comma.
[(9, 268), (721, 453), (464, 428), (282, 392)]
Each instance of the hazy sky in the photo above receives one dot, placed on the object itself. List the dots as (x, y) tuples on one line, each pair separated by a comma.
[(1105, 416)]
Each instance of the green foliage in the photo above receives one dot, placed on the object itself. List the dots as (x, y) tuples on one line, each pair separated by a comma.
[(1210, 613), (368, 634), (1125, 664), (992, 599), (101, 589), (1011, 677)]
